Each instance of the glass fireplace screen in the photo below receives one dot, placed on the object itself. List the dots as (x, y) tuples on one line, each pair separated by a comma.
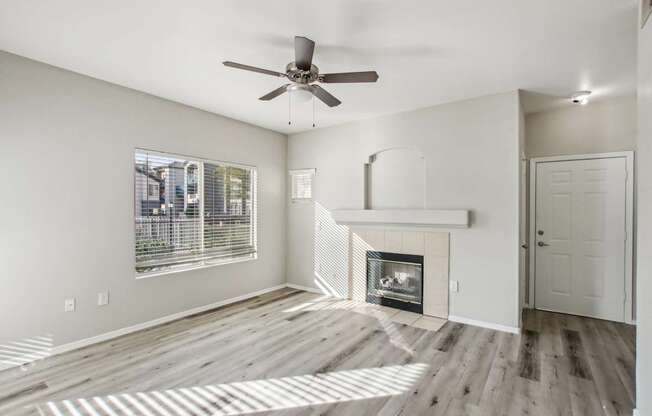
[(395, 276)]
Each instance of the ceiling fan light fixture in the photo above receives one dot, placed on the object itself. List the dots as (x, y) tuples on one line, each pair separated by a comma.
[(300, 93), (581, 97)]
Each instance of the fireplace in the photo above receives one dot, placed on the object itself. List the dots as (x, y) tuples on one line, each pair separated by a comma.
[(395, 280)]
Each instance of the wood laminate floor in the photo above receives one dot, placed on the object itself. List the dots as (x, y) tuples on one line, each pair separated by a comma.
[(295, 353)]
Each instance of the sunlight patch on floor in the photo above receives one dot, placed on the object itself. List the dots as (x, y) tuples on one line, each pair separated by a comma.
[(249, 396), (388, 318), (26, 351)]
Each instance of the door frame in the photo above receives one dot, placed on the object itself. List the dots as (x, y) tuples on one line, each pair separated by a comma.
[(629, 222)]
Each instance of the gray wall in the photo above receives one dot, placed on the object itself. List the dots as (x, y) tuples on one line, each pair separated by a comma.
[(471, 151), (603, 126), (644, 249), (66, 216)]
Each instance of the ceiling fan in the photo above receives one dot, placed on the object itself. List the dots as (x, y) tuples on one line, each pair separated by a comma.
[(305, 76)]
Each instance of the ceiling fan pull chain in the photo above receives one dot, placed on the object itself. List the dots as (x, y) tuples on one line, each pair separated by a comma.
[(289, 107), (313, 111)]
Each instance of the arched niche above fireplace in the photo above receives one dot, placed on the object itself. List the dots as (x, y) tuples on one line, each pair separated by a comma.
[(395, 178)]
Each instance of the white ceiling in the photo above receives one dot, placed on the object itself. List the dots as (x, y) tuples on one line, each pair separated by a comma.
[(427, 52)]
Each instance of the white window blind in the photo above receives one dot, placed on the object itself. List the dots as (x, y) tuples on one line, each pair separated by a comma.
[(192, 212), (302, 184)]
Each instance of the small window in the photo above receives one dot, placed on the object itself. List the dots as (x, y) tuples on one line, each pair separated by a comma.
[(302, 184)]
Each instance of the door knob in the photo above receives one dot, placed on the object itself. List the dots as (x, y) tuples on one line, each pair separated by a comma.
[(542, 244)]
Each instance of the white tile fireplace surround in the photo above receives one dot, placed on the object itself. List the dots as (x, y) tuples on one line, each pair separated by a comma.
[(432, 245)]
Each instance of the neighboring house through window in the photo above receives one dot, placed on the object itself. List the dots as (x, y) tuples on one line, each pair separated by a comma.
[(153, 190), (190, 212)]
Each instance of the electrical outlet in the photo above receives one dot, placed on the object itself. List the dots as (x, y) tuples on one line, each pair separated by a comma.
[(455, 287), (69, 305), (103, 298)]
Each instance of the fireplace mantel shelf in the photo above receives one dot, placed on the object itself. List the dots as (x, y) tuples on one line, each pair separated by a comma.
[(428, 218)]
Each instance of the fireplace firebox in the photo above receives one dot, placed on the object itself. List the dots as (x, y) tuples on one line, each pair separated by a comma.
[(395, 280)]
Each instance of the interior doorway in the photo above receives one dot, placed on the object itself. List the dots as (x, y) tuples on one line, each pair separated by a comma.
[(581, 210)]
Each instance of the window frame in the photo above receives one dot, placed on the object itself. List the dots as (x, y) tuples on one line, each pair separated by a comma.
[(203, 263), (296, 172)]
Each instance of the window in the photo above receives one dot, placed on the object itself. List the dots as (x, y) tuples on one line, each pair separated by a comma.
[(191, 212), (302, 184), (153, 190)]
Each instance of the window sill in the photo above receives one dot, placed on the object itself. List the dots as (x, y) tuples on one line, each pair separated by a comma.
[(181, 269)]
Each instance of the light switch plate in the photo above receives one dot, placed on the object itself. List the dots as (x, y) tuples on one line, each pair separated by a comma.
[(103, 298), (455, 286)]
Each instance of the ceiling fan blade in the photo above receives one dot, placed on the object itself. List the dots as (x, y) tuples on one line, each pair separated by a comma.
[(325, 96), (366, 76), (275, 93), (252, 68), (303, 50)]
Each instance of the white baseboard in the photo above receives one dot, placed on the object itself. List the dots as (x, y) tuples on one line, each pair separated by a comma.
[(488, 325), (139, 327), (636, 413), (306, 289)]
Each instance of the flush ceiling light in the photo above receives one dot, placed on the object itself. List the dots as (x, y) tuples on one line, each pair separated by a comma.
[(581, 97)]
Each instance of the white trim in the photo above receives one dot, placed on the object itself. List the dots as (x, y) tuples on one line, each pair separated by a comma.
[(426, 218), (310, 171), (60, 349), (635, 412), (563, 158), (523, 253), (488, 325), (306, 289), (532, 231), (206, 264), (629, 221)]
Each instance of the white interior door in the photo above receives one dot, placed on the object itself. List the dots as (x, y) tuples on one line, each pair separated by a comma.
[(580, 237)]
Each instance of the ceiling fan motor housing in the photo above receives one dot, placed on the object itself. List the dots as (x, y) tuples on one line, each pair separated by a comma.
[(301, 76)]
